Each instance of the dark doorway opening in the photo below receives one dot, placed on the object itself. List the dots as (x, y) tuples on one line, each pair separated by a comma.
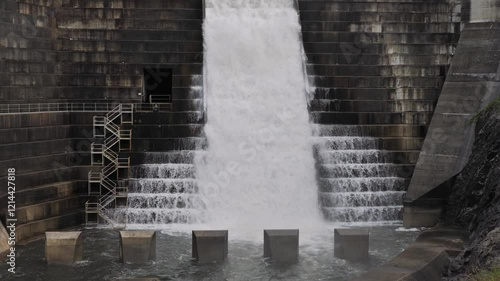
[(158, 85)]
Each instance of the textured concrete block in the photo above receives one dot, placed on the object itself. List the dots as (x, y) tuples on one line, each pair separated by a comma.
[(4, 241), (281, 245), (137, 246), (351, 244), (210, 246), (423, 213), (63, 247), (420, 217)]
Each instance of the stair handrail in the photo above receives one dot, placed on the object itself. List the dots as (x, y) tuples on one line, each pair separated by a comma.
[(113, 128), (126, 134), (114, 113), (109, 169), (95, 176), (110, 186), (111, 155)]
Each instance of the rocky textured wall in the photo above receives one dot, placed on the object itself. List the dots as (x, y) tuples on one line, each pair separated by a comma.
[(475, 202)]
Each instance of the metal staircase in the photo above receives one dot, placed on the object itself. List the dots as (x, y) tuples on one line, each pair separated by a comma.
[(107, 179)]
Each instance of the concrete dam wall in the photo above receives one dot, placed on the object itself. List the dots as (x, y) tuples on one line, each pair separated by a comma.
[(471, 84), (378, 69), (71, 52)]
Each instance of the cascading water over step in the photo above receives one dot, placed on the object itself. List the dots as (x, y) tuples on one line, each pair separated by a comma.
[(358, 182)]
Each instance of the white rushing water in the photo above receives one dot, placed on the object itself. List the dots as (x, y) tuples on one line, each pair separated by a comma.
[(258, 171), (358, 182)]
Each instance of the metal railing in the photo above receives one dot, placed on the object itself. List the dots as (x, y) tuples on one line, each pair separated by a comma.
[(147, 107), (55, 107), (95, 176), (160, 99), (114, 113), (80, 107), (98, 209), (124, 162), (99, 126), (108, 127)]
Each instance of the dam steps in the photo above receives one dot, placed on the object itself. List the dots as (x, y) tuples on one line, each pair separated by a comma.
[(378, 68), (97, 61), (163, 191)]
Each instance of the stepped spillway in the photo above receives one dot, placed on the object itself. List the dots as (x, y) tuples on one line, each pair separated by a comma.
[(161, 192), (358, 182)]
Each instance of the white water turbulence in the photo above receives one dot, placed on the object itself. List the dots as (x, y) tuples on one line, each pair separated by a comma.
[(258, 171)]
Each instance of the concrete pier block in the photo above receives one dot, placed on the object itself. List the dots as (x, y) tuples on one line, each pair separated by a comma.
[(137, 246), (351, 244), (281, 245), (63, 247), (210, 246)]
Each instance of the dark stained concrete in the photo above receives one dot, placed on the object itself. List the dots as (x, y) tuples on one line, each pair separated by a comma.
[(351, 244), (210, 246), (137, 247), (379, 65), (472, 82), (86, 51), (63, 247), (281, 245)]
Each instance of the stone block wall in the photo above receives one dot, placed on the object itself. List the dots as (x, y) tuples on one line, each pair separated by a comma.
[(104, 46), (378, 68), (28, 69)]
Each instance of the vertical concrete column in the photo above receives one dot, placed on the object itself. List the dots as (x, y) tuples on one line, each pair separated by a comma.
[(351, 244), (484, 11), (63, 247), (137, 246), (281, 245), (210, 245)]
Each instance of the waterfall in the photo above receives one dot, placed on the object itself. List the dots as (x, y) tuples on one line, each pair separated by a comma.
[(259, 170), (358, 181)]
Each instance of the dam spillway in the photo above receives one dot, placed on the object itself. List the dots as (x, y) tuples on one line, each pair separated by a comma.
[(361, 175), (358, 181), (258, 170), (373, 70)]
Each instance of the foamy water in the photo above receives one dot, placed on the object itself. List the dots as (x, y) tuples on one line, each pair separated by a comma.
[(258, 171)]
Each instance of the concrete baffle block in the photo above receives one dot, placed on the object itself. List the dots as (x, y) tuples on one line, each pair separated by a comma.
[(210, 245), (281, 245), (137, 246), (351, 244), (63, 247)]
